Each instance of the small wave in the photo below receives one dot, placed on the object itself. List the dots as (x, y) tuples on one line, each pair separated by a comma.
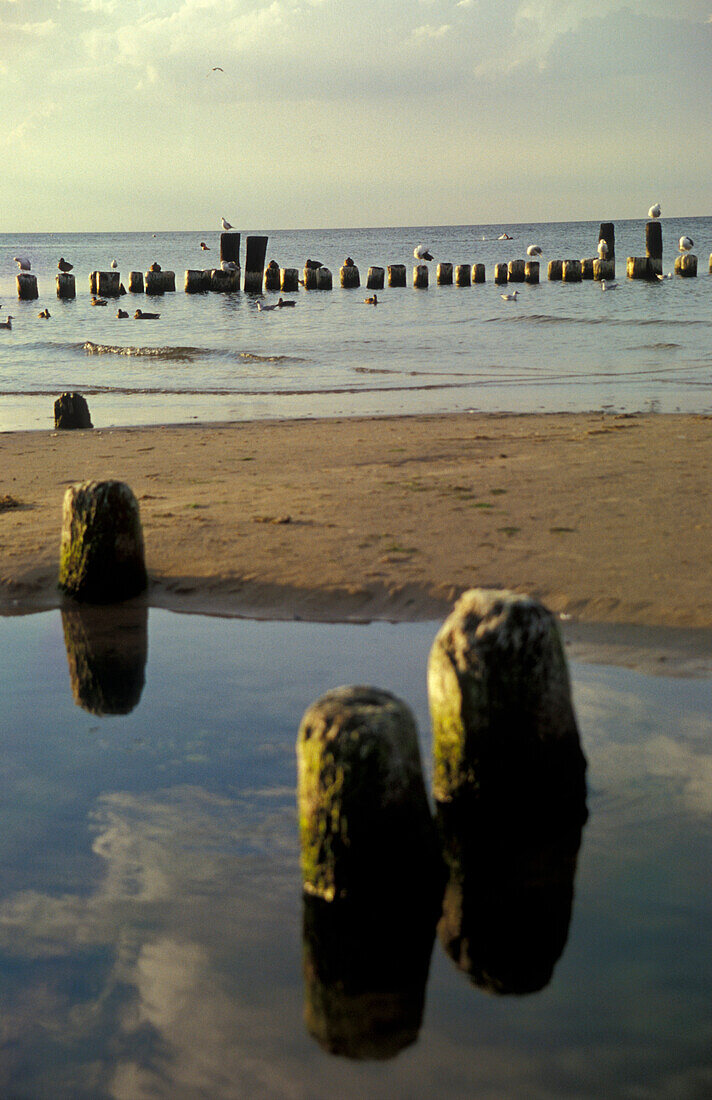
[(655, 347), (186, 354), (550, 319)]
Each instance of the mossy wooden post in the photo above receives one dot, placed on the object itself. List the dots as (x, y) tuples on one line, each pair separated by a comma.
[(108, 284), (230, 247), (554, 270), (654, 246), (571, 271), (420, 276), (272, 277), (607, 233), (443, 274), (289, 279), (604, 269), (500, 703), (255, 252), (364, 819), (66, 286), (531, 272), (153, 282), (640, 267), (169, 281), (196, 281), (224, 282), (397, 275), (349, 276), (136, 282), (324, 279), (463, 275), (375, 279), (26, 286), (501, 274), (308, 278), (101, 553), (515, 271), (587, 268), (478, 273), (70, 412), (686, 265)]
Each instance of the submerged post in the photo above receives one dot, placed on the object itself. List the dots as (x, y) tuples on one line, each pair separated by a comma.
[(501, 273), (349, 276), (686, 265), (531, 271), (289, 279), (324, 279), (420, 276), (136, 282), (515, 271), (555, 270), (101, 553), (478, 273)]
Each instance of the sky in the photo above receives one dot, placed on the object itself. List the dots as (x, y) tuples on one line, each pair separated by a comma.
[(336, 113)]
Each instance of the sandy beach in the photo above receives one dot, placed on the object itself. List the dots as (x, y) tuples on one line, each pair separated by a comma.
[(607, 519)]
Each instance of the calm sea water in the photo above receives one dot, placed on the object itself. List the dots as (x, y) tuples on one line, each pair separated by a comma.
[(151, 936), (559, 347)]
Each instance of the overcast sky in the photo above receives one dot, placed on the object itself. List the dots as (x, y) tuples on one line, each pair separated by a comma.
[(351, 112)]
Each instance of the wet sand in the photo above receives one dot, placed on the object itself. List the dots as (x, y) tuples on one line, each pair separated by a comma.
[(607, 519)]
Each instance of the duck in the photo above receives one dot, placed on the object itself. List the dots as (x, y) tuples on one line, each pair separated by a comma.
[(139, 315), (155, 267), (121, 314), (64, 266), (7, 323), (98, 301), (44, 314), (372, 301), (348, 262)]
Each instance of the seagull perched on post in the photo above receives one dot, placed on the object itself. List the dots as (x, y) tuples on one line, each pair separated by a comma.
[(226, 225), (23, 262), (602, 249), (685, 244), (422, 252), (654, 211)]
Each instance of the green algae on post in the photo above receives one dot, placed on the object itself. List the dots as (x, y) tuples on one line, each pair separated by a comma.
[(101, 553)]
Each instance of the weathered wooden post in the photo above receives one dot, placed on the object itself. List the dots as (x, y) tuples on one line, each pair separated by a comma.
[(710, 263), (230, 247), (101, 553), (26, 286), (375, 278), (308, 278), (443, 274), (135, 282), (515, 271), (169, 281), (66, 286), (289, 279), (501, 273), (463, 275), (324, 279), (272, 276), (420, 276), (571, 271), (654, 246), (500, 703), (106, 654), (640, 267), (153, 282), (107, 284), (587, 267), (604, 269), (349, 276), (224, 282), (255, 252), (478, 273), (531, 271), (607, 233), (71, 411), (686, 265), (555, 270), (364, 819), (396, 274), (197, 281)]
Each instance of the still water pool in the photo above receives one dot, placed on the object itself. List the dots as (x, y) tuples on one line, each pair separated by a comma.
[(151, 920)]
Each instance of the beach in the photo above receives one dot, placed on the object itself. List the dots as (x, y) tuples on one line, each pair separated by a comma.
[(605, 518)]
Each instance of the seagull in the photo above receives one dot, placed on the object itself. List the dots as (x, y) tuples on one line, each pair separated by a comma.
[(534, 250), (63, 265), (422, 252), (7, 323), (607, 284), (510, 297), (114, 264), (602, 250), (372, 301), (654, 211), (265, 308), (685, 244), (23, 262), (229, 265), (226, 225)]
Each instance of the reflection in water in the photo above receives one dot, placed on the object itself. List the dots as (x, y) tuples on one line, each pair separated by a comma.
[(365, 971), (107, 649), (508, 902)]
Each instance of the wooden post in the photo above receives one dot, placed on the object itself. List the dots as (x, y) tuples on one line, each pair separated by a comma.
[(640, 267), (66, 287), (463, 275), (571, 271), (289, 279), (324, 279), (136, 282), (106, 654), (255, 252), (272, 276), (587, 268), (420, 276), (230, 247), (71, 411), (478, 273), (93, 282), (169, 281), (443, 274), (196, 281), (224, 282), (531, 271), (26, 286), (108, 284), (501, 272), (686, 265), (349, 276), (654, 246), (308, 278), (364, 819), (515, 271), (607, 233), (101, 551), (555, 270), (375, 278), (154, 282), (396, 274), (604, 269)]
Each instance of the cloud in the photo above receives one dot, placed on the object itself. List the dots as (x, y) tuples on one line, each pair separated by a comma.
[(429, 31)]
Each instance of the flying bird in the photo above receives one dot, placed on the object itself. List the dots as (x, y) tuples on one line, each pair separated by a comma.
[(685, 244), (602, 249), (226, 225), (63, 265), (422, 252), (216, 69), (512, 297), (654, 211), (534, 250), (23, 262)]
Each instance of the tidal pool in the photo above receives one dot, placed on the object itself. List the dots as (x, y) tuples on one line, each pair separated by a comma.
[(153, 938)]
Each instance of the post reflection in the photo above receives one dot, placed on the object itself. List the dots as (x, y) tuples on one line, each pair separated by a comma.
[(107, 650)]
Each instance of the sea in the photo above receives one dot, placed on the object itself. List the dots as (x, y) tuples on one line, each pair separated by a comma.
[(216, 357)]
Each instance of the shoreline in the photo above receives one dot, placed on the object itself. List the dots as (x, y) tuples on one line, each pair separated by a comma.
[(604, 517)]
